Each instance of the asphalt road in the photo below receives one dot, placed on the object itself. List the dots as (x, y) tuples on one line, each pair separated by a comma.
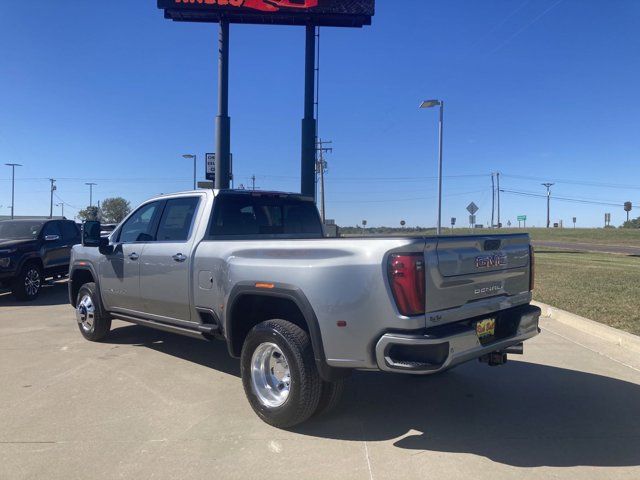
[(590, 247), (147, 404)]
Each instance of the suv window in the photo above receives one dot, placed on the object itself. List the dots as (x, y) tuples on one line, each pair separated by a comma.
[(248, 215), (139, 227), (177, 219), (70, 230), (51, 228)]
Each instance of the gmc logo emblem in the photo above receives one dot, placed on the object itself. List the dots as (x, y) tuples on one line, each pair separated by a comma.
[(489, 261)]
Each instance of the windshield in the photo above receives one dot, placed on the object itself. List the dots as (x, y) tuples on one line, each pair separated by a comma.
[(20, 230)]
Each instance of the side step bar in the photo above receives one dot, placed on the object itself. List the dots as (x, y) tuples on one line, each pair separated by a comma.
[(194, 333)]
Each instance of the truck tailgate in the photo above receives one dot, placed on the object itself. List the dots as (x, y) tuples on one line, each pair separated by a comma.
[(466, 269)]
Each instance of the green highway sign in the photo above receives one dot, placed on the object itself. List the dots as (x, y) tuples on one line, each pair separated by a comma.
[(522, 218)]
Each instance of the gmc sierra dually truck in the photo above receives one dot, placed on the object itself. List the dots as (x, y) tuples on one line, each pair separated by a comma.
[(302, 311)]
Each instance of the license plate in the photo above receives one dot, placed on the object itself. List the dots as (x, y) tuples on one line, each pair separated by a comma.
[(486, 328)]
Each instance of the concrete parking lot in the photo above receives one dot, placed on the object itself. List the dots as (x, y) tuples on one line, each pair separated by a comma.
[(147, 404)]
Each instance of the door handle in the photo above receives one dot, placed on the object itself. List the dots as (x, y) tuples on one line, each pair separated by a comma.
[(178, 257), (134, 256)]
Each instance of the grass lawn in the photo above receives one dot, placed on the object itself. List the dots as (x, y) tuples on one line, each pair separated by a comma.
[(609, 236), (600, 286)]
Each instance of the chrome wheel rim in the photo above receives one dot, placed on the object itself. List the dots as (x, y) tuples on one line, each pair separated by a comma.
[(32, 282), (270, 375), (86, 313)]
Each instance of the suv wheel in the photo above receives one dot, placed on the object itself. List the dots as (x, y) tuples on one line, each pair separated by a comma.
[(279, 374), (27, 284), (92, 321)]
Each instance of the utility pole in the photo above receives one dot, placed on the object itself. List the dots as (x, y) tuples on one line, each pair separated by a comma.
[(548, 185), (498, 187), (493, 201), (253, 182), (189, 156), (91, 185), (321, 168), (53, 189), (13, 185)]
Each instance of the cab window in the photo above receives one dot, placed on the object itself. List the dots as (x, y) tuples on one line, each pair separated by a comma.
[(140, 226), (177, 218)]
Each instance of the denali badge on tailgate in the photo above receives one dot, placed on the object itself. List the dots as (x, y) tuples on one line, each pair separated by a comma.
[(488, 261)]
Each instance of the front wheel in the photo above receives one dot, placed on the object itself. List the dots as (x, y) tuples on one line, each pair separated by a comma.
[(93, 323), (279, 374), (27, 284)]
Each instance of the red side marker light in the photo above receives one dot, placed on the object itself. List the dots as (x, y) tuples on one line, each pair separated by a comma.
[(341, 323)]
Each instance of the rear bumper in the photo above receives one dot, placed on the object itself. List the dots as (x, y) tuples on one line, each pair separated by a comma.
[(444, 347)]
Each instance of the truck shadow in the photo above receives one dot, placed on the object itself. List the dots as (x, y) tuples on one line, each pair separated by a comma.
[(55, 293), (522, 414), (212, 354)]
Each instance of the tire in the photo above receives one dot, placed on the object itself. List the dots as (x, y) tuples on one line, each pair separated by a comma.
[(279, 373), (330, 396), (93, 323), (26, 286)]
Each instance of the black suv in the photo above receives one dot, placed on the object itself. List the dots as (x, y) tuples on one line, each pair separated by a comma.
[(33, 250)]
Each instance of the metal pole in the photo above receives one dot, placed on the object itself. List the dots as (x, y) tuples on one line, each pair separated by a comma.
[(223, 122), (13, 188), (440, 128), (548, 185), (493, 201), (498, 188), (308, 154), (194, 171), (53, 187), (91, 195)]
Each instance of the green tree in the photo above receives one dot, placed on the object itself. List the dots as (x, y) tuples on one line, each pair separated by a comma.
[(635, 223), (89, 213), (114, 209)]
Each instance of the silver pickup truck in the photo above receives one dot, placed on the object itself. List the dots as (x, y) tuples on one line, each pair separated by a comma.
[(301, 310)]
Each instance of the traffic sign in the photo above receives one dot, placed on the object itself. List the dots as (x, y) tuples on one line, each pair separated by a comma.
[(453, 221), (472, 208), (472, 220), (522, 218)]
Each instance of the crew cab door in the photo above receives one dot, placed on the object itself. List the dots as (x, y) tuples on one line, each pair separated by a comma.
[(120, 271), (165, 263), (53, 247)]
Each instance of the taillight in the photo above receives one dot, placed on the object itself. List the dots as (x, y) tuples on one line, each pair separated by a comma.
[(532, 268), (407, 279)]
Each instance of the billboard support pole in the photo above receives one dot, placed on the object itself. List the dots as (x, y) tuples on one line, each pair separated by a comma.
[(308, 157), (223, 122)]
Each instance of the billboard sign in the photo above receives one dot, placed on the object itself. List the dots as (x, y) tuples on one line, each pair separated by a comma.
[(324, 13), (210, 165)]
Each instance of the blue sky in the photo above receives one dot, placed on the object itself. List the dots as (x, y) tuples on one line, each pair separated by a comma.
[(111, 92)]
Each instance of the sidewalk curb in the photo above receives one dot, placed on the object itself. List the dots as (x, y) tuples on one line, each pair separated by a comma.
[(622, 339)]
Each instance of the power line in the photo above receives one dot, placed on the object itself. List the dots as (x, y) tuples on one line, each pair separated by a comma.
[(574, 182), (564, 199)]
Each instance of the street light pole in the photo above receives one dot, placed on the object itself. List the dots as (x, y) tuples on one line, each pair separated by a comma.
[(189, 156), (91, 184), (548, 185), (13, 184), (53, 188), (429, 104), (61, 205)]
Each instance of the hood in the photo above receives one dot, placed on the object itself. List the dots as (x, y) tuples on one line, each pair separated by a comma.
[(8, 243)]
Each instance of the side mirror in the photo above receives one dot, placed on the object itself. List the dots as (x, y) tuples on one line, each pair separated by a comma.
[(51, 238), (91, 234)]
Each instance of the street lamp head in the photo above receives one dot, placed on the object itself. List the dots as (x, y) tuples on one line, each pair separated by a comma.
[(13, 164), (188, 156), (430, 103)]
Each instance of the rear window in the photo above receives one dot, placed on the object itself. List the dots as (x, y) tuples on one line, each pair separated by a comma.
[(265, 215)]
